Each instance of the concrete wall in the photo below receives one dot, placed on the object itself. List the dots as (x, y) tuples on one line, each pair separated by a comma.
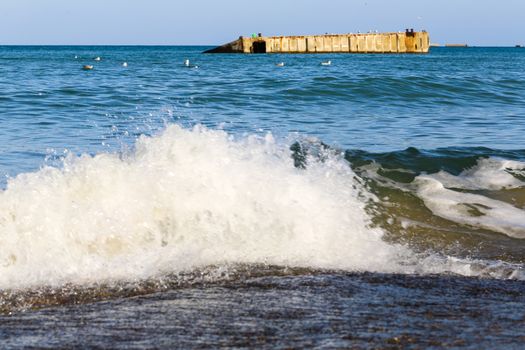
[(402, 42)]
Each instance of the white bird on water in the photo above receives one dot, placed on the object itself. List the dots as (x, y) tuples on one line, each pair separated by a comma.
[(97, 58), (125, 64), (189, 65), (327, 63), (280, 64)]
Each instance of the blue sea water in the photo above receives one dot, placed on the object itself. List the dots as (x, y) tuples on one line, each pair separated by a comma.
[(449, 98), (166, 190)]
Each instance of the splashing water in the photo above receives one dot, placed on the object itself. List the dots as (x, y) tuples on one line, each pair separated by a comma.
[(187, 199)]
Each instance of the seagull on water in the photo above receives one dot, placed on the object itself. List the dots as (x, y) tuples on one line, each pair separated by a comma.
[(327, 63), (189, 65)]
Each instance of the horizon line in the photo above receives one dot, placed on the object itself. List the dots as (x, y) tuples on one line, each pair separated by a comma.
[(168, 45)]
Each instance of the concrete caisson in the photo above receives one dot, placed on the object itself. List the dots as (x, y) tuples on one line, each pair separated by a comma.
[(401, 42)]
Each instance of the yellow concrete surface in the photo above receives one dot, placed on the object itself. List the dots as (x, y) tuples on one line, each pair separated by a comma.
[(401, 42)]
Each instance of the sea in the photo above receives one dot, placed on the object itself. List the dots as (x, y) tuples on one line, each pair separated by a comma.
[(374, 203)]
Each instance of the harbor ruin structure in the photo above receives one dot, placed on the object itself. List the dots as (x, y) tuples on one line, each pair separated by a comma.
[(409, 41)]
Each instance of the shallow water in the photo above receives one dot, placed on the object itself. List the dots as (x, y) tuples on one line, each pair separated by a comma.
[(371, 192), (322, 310)]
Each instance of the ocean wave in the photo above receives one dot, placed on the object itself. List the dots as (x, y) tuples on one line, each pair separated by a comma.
[(190, 198), (488, 174), (182, 200), (479, 189), (471, 209)]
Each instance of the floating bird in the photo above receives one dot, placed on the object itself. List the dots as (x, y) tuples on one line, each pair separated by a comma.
[(327, 63), (76, 56), (87, 67), (125, 64), (280, 64), (189, 65), (97, 58)]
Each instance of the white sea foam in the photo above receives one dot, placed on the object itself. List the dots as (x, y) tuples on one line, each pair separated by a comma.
[(489, 174), (471, 209), (188, 199), (437, 191)]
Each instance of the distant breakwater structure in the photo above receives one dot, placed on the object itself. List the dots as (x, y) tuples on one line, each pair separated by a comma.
[(409, 41)]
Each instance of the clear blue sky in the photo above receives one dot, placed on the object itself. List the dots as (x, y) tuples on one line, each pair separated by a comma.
[(166, 22)]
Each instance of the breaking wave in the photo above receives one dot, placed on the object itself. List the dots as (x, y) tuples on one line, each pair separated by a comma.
[(187, 199)]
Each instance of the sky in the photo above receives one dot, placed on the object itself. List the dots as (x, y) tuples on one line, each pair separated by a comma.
[(210, 22)]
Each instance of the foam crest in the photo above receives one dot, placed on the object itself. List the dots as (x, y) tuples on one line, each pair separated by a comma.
[(489, 174), (471, 209), (182, 200), (186, 200)]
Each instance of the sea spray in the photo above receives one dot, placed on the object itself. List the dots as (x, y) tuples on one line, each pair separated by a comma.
[(191, 198), (182, 200)]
